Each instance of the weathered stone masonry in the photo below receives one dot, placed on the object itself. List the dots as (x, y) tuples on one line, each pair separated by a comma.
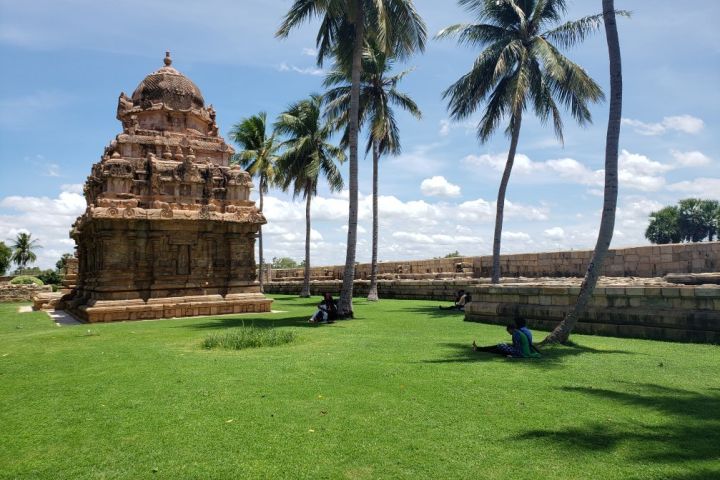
[(169, 229)]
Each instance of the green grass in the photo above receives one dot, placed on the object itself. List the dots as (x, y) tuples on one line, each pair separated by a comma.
[(395, 393), (250, 336)]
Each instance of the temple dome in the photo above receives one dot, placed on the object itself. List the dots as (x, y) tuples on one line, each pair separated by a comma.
[(170, 87)]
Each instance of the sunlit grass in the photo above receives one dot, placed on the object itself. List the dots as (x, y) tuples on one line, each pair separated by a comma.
[(248, 337), (395, 393)]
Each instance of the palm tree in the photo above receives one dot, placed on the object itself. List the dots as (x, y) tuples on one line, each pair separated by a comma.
[(664, 226), (344, 26), (378, 94), (307, 155), (520, 68), (607, 221), (23, 250), (258, 157)]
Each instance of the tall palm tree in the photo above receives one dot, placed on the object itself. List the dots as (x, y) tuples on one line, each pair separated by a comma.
[(344, 26), (307, 155), (607, 221), (520, 68), (378, 94), (23, 250), (258, 157)]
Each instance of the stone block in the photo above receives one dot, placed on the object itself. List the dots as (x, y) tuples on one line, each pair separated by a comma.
[(635, 291), (713, 292)]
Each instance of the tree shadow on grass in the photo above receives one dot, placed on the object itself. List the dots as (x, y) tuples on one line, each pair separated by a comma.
[(432, 311), (691, 432), (551, 356)]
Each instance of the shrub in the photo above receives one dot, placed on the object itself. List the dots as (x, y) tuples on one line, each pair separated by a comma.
[(50, 277), (26, 280), (248, 337)]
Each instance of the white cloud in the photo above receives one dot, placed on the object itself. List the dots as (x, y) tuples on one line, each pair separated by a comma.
[(52, 170), (72, 188), (284, 67), (438, 186), (360, 229), (518, 236), (408, 229), (635, 171), (701, 187), (444, 127), (310, 52), (47, 219), (421, 159), (639, 172), (563, 168), (690, 159), (447, 126), (555, 233), (680, 123)]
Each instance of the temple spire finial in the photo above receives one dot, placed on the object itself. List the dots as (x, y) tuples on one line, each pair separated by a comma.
[(167, 60)]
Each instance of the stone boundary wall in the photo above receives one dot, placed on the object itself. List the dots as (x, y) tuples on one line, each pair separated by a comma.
[(687, 314), (648, 261), (648, 309), (442, 290), (21, 293), (409, 268)]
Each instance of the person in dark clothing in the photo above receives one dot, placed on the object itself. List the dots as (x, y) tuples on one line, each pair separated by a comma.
[(327, 310), (520, 347), (521, 324), (461, 300)]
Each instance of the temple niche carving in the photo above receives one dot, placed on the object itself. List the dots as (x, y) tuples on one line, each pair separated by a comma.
[(169, 228)]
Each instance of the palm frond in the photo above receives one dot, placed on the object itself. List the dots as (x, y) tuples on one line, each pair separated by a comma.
[(466, 95), (572, 33)]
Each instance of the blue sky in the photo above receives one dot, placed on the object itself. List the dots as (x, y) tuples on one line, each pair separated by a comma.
[(66, 62)]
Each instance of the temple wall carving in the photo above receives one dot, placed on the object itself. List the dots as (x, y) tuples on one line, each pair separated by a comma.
[(168, 220)]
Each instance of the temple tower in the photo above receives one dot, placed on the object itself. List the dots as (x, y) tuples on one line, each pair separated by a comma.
[(169, 229)]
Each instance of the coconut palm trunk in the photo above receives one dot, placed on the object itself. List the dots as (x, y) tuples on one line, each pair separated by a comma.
[(373, 293), (345, 307), (500, 209), (607, 222), (306, 277), (260, 246)]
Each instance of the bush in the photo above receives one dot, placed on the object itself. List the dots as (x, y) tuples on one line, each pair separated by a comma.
[(26, 280), (248, 337), (50, 277)]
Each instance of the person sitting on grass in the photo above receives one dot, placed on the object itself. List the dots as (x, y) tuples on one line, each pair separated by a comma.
[(461, 299), (521, 324), (327, 310), (520, 347)]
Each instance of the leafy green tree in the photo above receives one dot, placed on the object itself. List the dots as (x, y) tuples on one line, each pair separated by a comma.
[(453, 254), (5, 256), (50, 277), (24, 249), (283, 262), (378, 95), (60, 264), (664, 226), (697, 219), (258, 157), (561, 333), (345, 26), (308, 155), (521, 67)]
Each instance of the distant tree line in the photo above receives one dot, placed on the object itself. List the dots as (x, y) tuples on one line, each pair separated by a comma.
[(691, 220)]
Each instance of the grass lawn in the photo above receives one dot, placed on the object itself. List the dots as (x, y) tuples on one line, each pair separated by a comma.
[(395, 393)]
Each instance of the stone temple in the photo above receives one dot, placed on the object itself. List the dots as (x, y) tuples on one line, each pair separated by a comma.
[(169, 229)]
